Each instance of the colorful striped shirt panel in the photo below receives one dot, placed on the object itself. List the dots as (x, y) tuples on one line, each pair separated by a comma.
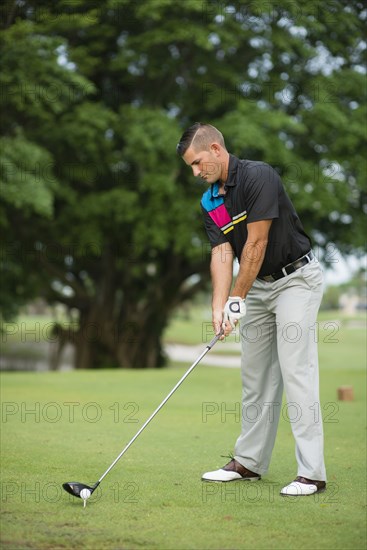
[(213, 204)]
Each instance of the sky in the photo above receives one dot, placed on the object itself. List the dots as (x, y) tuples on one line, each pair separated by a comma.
[(343, 268)]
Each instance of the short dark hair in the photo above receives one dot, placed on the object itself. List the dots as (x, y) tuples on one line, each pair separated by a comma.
[(200, 136)]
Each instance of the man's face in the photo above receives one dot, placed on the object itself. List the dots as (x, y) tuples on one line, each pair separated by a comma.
[(205, 164)]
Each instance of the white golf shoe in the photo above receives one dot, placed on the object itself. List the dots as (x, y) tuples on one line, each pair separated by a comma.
[(233, 471), (302, 486)]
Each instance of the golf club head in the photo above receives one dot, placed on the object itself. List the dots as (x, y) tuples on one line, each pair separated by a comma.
[(74, 488)]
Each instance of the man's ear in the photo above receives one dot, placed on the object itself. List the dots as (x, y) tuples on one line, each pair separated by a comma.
[(215, 148)]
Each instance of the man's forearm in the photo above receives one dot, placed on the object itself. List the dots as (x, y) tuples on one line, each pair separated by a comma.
[(252, 256), (251, 261), (221, 289), (221, 268)]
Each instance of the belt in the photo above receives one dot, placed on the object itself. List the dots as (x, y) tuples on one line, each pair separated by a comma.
[(288, 269)]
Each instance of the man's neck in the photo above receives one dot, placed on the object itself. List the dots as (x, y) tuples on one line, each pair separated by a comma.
[(224, 172)]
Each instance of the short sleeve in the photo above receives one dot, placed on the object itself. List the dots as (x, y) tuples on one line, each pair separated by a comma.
[(215, 235), (262, 193)]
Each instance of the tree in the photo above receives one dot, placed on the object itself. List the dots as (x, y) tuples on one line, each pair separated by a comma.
[(100, 214)]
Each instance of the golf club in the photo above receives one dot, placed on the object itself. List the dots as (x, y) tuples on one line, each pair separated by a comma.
[(83, 491)]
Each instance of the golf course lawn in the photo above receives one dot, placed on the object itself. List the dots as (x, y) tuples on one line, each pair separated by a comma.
[(70, 426)]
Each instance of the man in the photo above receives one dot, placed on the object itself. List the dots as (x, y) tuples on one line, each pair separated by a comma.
[(276, 295)]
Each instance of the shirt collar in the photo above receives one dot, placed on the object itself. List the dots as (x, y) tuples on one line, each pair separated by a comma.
[(231, 178), (232, 171)]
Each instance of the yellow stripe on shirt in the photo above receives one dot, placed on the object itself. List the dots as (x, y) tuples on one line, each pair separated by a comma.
[(240, 219)]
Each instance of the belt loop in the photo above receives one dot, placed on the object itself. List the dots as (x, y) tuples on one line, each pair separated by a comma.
[(284, 271)]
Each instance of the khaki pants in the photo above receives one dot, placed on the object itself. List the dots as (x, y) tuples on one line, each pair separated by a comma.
[(279, 349)]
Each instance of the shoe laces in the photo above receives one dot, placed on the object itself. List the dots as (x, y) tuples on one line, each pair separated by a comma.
[(230, 456)]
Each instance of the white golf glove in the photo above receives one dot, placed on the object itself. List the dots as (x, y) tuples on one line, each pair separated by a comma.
[(234, 310)]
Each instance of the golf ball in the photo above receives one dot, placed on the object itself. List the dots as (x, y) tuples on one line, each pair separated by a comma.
[(85, 493)]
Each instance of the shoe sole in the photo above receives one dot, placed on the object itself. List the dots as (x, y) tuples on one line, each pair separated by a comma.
[(310, 495), (229, 480)]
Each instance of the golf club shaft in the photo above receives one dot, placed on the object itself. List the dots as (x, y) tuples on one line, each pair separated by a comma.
[(208, 347)]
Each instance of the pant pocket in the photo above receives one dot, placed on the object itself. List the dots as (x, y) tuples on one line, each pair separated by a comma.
[(312, 275)]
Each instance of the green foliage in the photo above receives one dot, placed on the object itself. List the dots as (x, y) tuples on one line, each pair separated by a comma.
[(25, 184), (103, 215)]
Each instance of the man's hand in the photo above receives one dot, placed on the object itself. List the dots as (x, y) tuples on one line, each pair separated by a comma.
[(217, 320), (234, 310)]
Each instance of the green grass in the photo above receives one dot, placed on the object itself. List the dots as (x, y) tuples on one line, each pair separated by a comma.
[(59, 427), (69, 426)]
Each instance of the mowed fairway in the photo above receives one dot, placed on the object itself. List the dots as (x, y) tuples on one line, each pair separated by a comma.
[(69, 426)]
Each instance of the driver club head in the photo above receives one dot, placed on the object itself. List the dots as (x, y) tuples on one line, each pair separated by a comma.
[(74, 488)]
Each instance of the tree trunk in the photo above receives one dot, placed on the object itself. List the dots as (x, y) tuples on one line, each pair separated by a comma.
[(141, 345), (129, 335), (100, 343)]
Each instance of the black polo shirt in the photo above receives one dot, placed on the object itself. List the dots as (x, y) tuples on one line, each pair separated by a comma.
[(254, 192)]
